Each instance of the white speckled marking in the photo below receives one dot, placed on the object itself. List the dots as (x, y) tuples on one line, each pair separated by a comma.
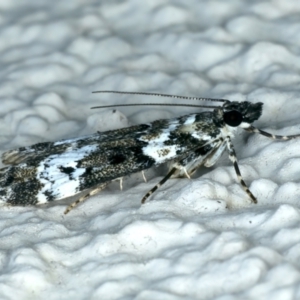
[(61, 186)]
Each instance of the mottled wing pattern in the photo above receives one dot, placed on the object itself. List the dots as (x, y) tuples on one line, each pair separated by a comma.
[(55, 170), (16, 156)]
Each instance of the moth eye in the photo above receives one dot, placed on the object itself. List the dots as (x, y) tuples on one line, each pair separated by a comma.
[(233, 118)]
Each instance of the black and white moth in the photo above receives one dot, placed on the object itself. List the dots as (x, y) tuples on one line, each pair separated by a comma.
[(51, 171)]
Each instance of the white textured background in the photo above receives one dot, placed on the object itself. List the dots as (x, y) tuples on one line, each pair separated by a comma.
[(185, 243)]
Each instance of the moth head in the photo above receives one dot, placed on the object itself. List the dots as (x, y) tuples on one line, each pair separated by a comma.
[(236, 113)]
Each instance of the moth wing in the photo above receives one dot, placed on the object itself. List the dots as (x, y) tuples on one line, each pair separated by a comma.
[(22, 154)]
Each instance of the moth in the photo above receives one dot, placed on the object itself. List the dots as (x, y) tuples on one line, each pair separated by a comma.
[(52, 171)]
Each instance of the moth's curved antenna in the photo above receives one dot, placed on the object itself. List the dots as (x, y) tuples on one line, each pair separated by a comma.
[(162, 95)]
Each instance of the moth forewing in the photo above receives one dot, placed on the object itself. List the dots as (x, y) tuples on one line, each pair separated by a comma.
[(51, 171)]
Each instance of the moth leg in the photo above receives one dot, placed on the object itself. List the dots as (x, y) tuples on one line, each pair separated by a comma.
[(183, 166), (270, 135), (172, 171), (85, 197), (186, 173), (144, 177), (232, 157)]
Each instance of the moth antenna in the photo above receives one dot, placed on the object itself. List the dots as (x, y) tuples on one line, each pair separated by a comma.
[(162, 95), (154, 104)]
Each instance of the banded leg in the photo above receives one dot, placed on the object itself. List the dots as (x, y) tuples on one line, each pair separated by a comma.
[(188, 165), (232, 157), (158, 185), (85, 197), (272, 136)]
